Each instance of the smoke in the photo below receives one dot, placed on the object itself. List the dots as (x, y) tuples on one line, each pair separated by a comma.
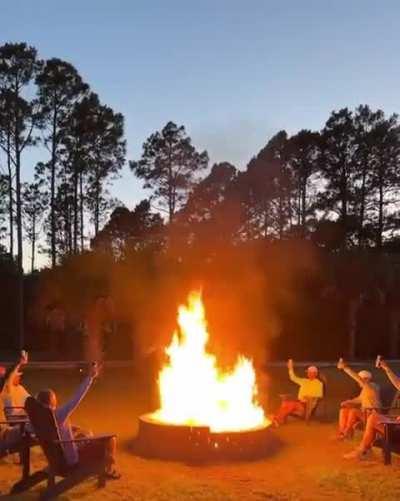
[(247, 289)]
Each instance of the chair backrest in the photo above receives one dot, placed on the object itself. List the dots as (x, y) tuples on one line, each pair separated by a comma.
[(322, 378), (45, 427), (12, 413), (388, 395)]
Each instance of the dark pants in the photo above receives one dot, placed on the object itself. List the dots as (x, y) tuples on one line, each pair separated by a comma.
[(94, 451)]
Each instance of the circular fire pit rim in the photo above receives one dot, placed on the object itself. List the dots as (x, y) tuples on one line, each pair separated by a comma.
[(171, 441), (149, 418)]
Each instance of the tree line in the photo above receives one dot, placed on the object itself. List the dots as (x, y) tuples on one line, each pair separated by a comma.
[(46, 104), (338, 186)]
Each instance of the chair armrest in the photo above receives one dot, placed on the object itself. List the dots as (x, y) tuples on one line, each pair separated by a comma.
[(392, 423), (87, 439), (22, 423), (16, 421)]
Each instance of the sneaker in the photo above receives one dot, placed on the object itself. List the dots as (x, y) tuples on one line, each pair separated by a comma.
[(338, 437), (355, 454)]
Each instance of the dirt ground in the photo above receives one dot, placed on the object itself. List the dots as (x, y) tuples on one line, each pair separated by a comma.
[(307, 466)]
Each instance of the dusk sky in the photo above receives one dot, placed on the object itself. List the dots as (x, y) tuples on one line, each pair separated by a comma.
[(232, 72)]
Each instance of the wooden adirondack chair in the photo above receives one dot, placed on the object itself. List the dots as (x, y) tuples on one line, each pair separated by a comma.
[(23, 449), (45, 428), (11, 416), (313, 406), (390, 441)]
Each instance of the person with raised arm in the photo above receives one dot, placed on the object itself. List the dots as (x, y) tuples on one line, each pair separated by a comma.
[(309, 387), (13, 393), (355, 410), (375, 420), (88, 451)]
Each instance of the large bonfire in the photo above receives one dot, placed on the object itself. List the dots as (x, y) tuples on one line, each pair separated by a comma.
[(194, 391)]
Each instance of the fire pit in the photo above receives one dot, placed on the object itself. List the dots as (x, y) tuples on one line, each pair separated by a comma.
[(198, 443), (205, 413)]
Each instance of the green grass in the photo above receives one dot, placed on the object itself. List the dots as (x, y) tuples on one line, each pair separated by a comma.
[(307, 467)]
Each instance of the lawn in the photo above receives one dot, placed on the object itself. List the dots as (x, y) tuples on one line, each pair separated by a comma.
[(307, 466)]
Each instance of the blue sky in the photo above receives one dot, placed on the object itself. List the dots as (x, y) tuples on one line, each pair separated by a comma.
[(233, 72)]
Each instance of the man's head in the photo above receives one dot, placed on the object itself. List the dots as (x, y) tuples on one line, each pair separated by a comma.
[(312, 372), (47, 398), (366, 376)]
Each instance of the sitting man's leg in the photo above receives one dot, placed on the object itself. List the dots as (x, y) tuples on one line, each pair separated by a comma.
[(343, 420), (287, 408), (95, 450), (372, 428), (354, 416)]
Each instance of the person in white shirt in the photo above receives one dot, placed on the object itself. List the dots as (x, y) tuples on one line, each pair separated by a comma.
[(13, 393), (89, 451), (355, 410), (375, 421), (10, 436)]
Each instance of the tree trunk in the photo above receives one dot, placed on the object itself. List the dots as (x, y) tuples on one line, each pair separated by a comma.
[(81, 210), (75, 209), (280, 211), (362, 204), (380, 213), (96, 208), (52, 190), (20, 299), (10, 195), (303, 201), (33, 243), (354, 304)]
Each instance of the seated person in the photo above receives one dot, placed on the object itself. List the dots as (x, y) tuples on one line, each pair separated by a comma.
[(13, 394), (355, 410), (309, 388), (87, 451), (9, 435), (375, 420)]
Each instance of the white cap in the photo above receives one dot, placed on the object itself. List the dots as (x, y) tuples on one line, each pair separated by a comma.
[(365, 375), (313, 369)]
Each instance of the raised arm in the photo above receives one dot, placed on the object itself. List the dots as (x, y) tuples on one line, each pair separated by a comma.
[(344, 367), (292, 374), (12, 371), (67, 409), (394, 379)]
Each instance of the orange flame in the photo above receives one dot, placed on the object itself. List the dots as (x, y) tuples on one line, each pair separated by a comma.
[(194, 391)]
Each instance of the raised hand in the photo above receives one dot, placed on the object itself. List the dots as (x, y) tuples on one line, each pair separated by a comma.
[(94, 370), (383, 364), (23, 359), (341, 365), (290, 364)]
